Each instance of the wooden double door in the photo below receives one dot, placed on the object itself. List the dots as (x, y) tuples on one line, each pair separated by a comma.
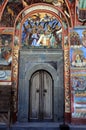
[(41, 96)]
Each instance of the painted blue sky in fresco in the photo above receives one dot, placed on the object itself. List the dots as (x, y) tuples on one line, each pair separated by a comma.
[(79, 31)]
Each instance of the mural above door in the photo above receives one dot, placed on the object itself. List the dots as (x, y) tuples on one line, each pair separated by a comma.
[(42, 30)]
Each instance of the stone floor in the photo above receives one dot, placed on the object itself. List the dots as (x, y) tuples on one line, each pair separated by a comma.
[(42, 126)]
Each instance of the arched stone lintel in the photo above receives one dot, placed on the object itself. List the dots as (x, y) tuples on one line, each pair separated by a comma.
[(42, 66)]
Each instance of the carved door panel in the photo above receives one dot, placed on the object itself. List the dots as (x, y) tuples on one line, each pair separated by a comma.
[(41, 96)]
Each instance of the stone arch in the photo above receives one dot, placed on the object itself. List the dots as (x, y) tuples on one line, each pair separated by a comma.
[(24, 84), (41, 66)]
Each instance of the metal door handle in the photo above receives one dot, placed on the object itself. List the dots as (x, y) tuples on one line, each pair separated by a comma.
[(43, 94), (45, 90), (37, 90)]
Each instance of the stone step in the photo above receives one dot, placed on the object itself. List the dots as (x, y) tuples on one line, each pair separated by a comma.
[(3, 127), (42, 126), (35, 126), (77, 127)]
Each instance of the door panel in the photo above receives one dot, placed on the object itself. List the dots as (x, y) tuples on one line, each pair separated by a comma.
[(47, 96), (41, 96), (34, 96)]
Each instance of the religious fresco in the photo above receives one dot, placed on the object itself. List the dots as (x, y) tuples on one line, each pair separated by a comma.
[(42, 30), (5, 56), (78, 48), (1, 2), (5, 75), (5, 49), (78, 72), (12, 9), (78, 93), (10, 13), (57, 3), (81, 12)]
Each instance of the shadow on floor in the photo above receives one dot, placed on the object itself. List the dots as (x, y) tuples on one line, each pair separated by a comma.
[(64, 127)]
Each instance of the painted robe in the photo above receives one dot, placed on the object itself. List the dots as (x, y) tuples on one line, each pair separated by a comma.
[(82, 10)]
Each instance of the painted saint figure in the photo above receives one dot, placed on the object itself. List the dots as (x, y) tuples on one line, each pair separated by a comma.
[(82, 10), (84, 38), (34, 38), (44, 39)]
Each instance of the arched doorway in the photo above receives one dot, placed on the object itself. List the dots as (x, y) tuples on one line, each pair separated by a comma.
[(41, 84), (41, 96), (43, 54)]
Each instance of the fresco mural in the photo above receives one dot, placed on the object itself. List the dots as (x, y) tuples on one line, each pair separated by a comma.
[(58, 3), (78, 72), (5, 75), (81, 12), (1, 2), (78, 48), (5, 49), (42, 30), (5, 56), (10, 13), (78, 93)]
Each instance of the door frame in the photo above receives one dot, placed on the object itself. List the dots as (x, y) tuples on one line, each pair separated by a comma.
[(24, 84)]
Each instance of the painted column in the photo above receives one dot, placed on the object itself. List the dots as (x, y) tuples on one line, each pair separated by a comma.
[(15, 80), (67, 82)]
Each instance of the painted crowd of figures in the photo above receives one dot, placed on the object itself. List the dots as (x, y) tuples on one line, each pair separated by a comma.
[(42, 30)]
